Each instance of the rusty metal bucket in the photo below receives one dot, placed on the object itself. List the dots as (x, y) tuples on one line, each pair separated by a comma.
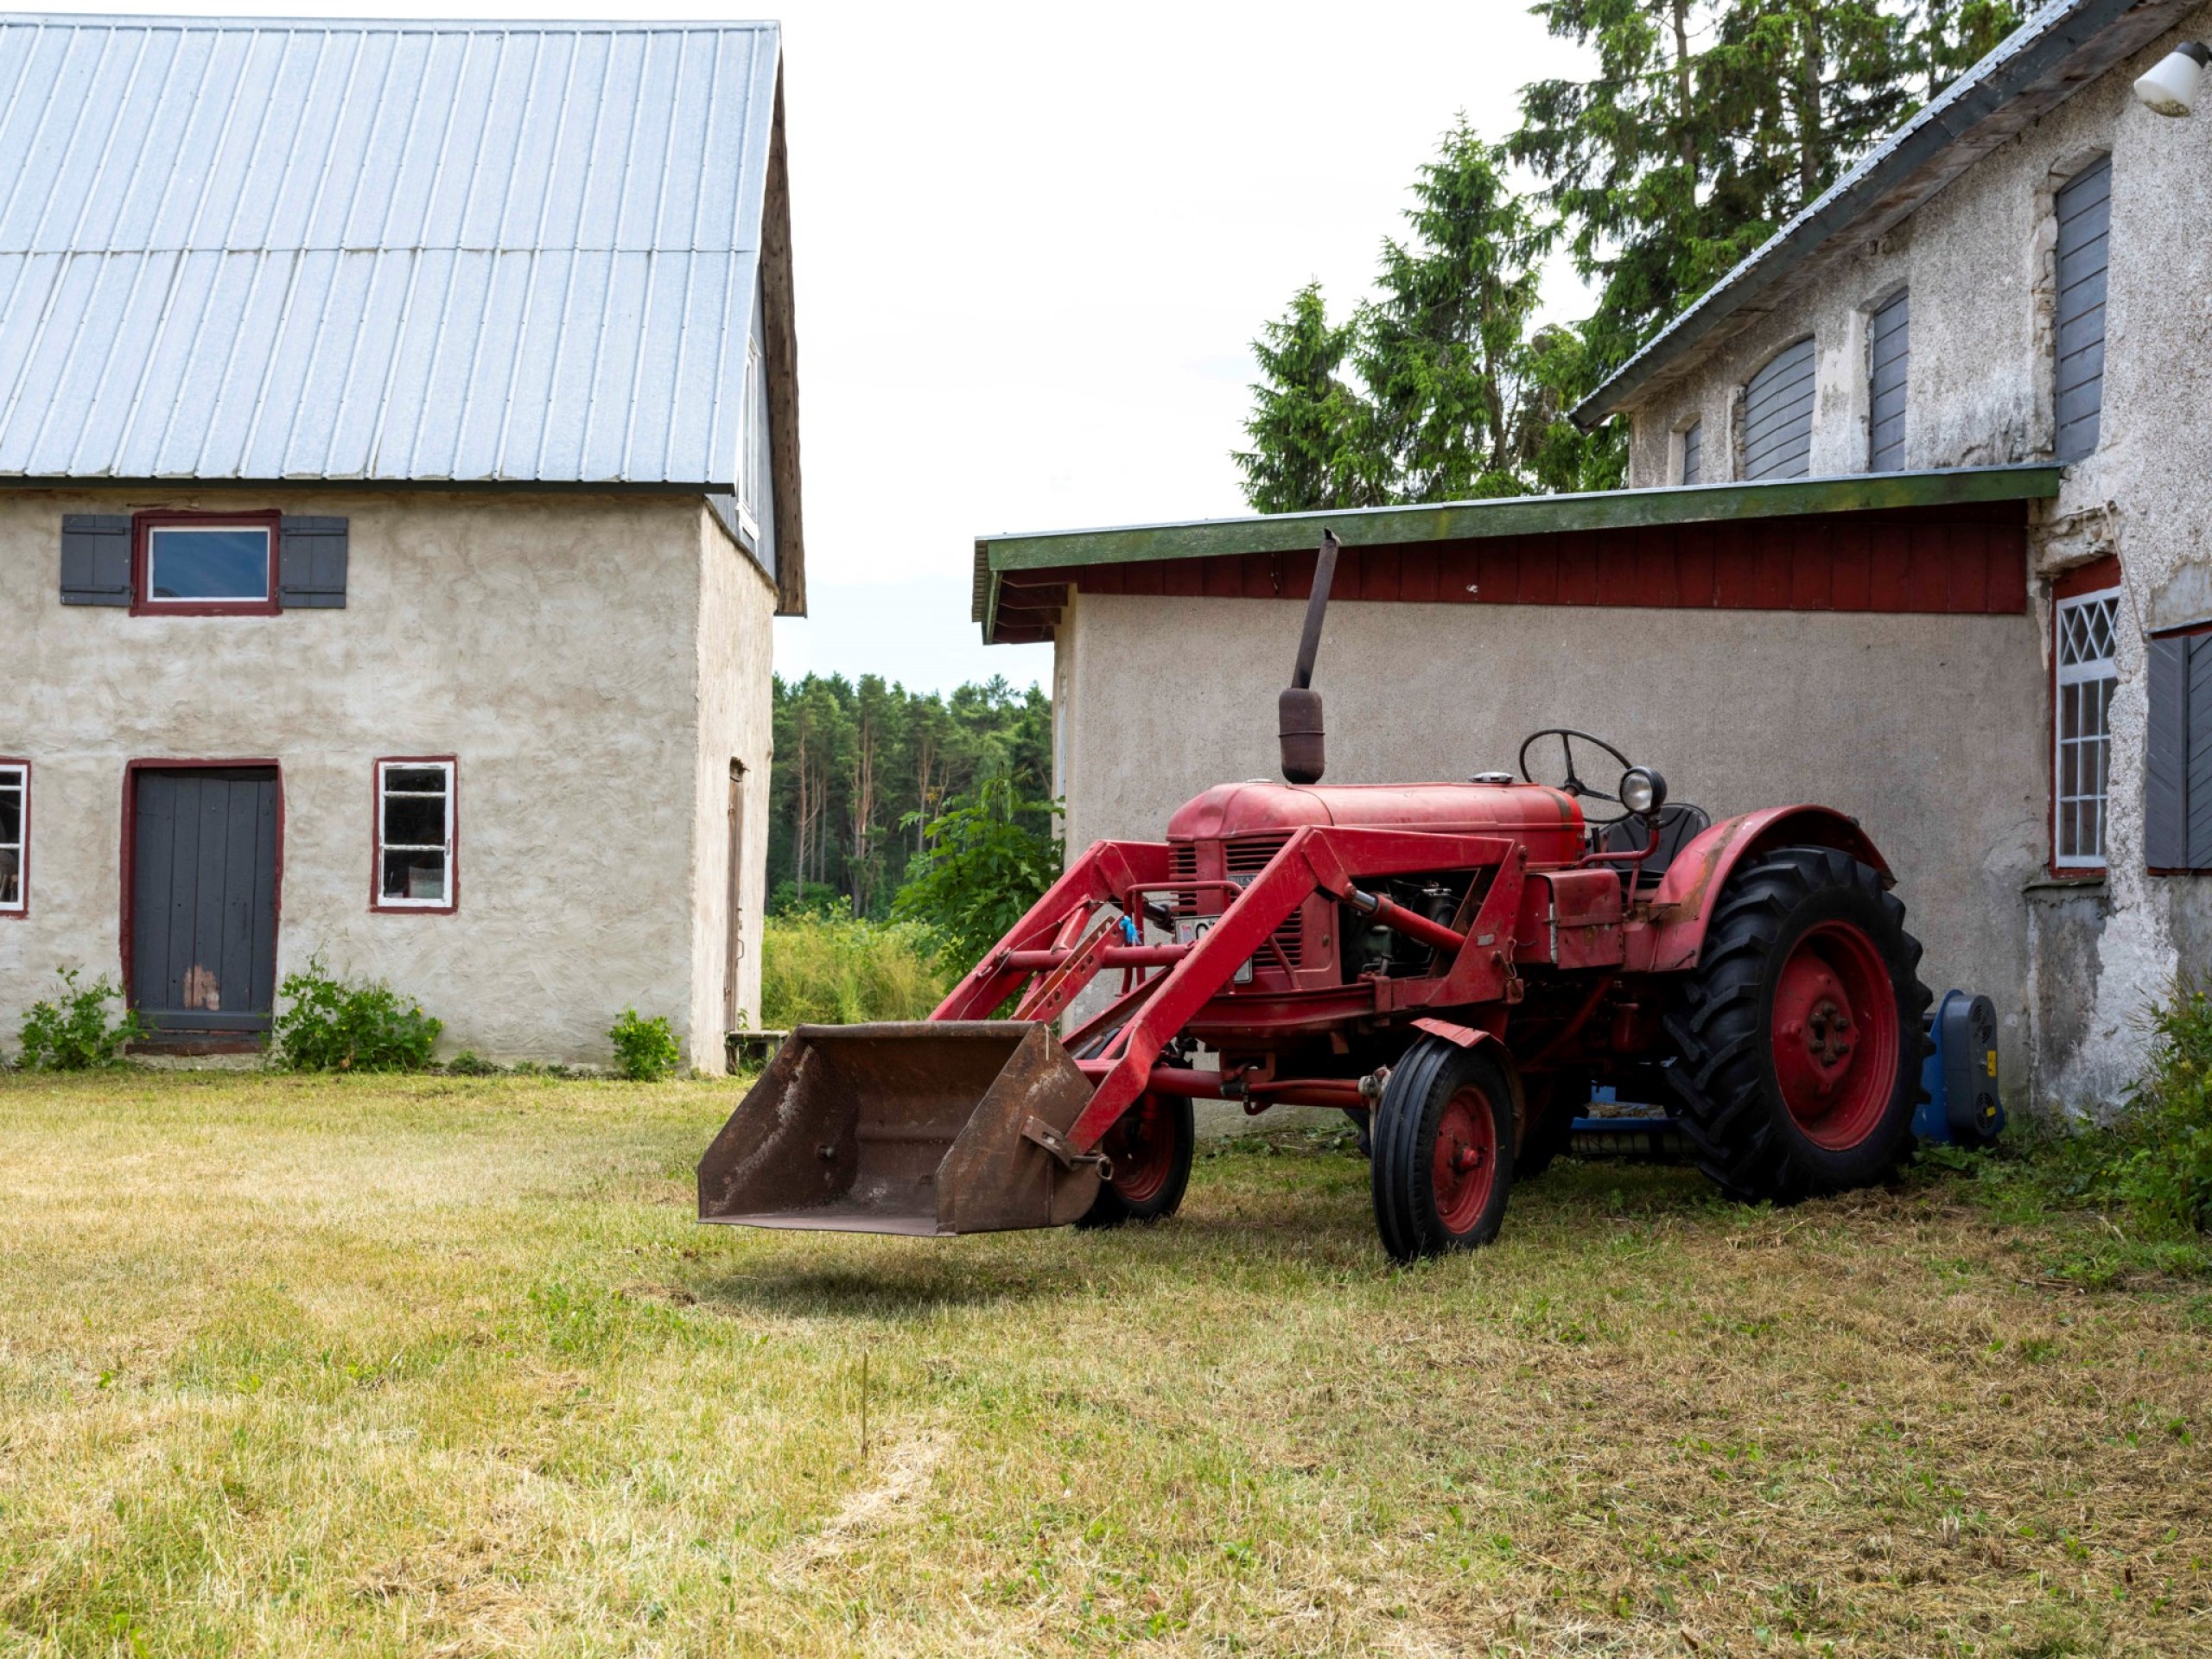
[(918, 1127)]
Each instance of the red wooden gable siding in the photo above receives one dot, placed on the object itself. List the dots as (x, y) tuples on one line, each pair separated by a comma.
[(1959, 560)]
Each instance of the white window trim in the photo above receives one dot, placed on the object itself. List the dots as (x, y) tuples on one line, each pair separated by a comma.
[(155, 532), (17, 774), (2080, 673), (451, 898)]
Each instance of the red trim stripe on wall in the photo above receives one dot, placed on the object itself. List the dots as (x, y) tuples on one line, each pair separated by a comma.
[(1955, 561)]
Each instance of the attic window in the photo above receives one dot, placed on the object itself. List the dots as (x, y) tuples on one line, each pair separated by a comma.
[(202, 564)]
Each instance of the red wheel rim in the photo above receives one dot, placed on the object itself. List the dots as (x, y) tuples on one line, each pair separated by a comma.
[(1141, 1147), (1834, 1036), (1462, 1166)]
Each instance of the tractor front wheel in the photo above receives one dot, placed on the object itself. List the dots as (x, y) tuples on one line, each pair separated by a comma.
[(1443, 1157), (1150, 1149), (1799, 1032)]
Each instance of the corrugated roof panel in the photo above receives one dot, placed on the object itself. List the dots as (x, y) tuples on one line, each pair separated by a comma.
[(475, 253)]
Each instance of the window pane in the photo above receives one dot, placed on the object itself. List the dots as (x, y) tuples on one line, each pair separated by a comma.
[(414, 820), (11, 814), (189, 562), (419, 876), (426, 779)]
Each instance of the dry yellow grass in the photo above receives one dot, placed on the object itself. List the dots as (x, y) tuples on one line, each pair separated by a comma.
[(445, 1366)]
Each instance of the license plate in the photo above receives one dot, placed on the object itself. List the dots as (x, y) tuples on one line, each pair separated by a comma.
[(1188, 930)]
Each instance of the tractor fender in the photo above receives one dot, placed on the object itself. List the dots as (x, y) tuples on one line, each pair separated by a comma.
[(1690, 891), (1497, 1049)]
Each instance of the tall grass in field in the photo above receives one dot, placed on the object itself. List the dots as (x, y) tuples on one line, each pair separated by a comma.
[(825, 970)]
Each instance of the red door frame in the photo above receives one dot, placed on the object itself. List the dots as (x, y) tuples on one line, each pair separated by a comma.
[(130, 861), (2094, 577)]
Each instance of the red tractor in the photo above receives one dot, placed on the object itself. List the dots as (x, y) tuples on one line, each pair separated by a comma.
[(1455, 965)]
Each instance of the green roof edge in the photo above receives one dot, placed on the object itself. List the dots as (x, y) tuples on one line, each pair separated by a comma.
[(1517, 515)]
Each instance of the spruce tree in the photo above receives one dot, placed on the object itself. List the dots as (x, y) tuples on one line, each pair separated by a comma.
[(1312, 441), (1441, 348)]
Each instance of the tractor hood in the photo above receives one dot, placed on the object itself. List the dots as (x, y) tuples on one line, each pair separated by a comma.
[(1261, 807)]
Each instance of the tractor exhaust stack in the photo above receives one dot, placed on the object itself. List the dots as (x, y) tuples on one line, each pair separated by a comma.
[(1298, 710)]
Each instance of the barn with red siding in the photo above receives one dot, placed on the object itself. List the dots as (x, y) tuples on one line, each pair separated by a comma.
[(1867, 642)]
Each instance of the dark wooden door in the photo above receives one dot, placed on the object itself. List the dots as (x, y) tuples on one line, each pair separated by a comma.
[(203, 916)]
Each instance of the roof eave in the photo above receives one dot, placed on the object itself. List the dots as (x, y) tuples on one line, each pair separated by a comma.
[(2040, 66), (1524, 515)]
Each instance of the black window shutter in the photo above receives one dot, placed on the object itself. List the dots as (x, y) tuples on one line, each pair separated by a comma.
[(1778, 416), (2199, 781), (1889, 346), (96, 559), (2165, 759), (312, 565), (2084, 218)]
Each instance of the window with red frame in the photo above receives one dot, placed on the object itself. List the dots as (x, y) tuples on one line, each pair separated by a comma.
[(415, 835), (15, 837), (202, 564)]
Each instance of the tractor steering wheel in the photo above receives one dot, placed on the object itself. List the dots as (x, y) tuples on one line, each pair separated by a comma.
[(1574, 784)]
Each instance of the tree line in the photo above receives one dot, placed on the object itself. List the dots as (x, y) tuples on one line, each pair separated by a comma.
[(864, 769), (1707, 125)]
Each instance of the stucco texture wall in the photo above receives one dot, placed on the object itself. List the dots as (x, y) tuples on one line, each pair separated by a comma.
[(1979, 260), (1910, 722), (567, 649)]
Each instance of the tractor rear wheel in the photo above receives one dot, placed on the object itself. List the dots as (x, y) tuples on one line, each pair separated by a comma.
[(1443, 1157), (1800, 1030), (1150, 1149)]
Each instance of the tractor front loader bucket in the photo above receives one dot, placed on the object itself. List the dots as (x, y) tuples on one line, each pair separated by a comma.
[(916, 1127)]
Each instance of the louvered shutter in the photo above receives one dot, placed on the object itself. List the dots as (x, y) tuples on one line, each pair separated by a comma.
[(2165, 761), (2177, 754), (2084, 219), (1693, 452), (1778, 416), (2198, 755), (311, 567), (1889, 343), (96, 559)]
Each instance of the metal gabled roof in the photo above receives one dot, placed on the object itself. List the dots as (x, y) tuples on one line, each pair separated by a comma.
[(253, 250), (2059, 49), (1513, 515)]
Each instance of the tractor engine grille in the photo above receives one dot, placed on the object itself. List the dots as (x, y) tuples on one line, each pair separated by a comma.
[(1247, 856), (1182, 868)]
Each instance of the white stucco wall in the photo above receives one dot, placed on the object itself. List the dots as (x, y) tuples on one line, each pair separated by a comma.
[(735, 723), (1910, 722), (1978, 258), (587, 659)]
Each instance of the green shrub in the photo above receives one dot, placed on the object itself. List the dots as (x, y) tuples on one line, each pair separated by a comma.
[(2166, 1175), (73, 1033), (828, 970), (991, 855), (469, 1064), (335, 1024), (645, 1049)]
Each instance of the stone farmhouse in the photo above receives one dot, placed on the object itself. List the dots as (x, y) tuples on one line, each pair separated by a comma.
[(399, 471), (1915, 529)]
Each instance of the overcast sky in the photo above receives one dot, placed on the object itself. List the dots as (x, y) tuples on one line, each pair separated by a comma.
[(1031, 244)]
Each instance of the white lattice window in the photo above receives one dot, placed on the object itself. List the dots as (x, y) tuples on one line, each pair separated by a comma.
[(2086, 627)]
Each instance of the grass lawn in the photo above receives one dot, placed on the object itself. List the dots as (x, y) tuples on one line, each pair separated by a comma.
[(445, 1365)]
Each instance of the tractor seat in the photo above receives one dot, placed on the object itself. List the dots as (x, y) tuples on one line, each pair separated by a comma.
[(1679, 824)]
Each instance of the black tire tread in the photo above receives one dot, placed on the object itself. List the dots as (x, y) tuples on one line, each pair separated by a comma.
[(1716, 1027)]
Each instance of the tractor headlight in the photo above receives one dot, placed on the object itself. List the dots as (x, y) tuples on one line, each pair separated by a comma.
[(1643, 792)]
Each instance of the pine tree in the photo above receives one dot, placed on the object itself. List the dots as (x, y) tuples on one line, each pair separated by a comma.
[(1441, 349), (1312, 442)]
